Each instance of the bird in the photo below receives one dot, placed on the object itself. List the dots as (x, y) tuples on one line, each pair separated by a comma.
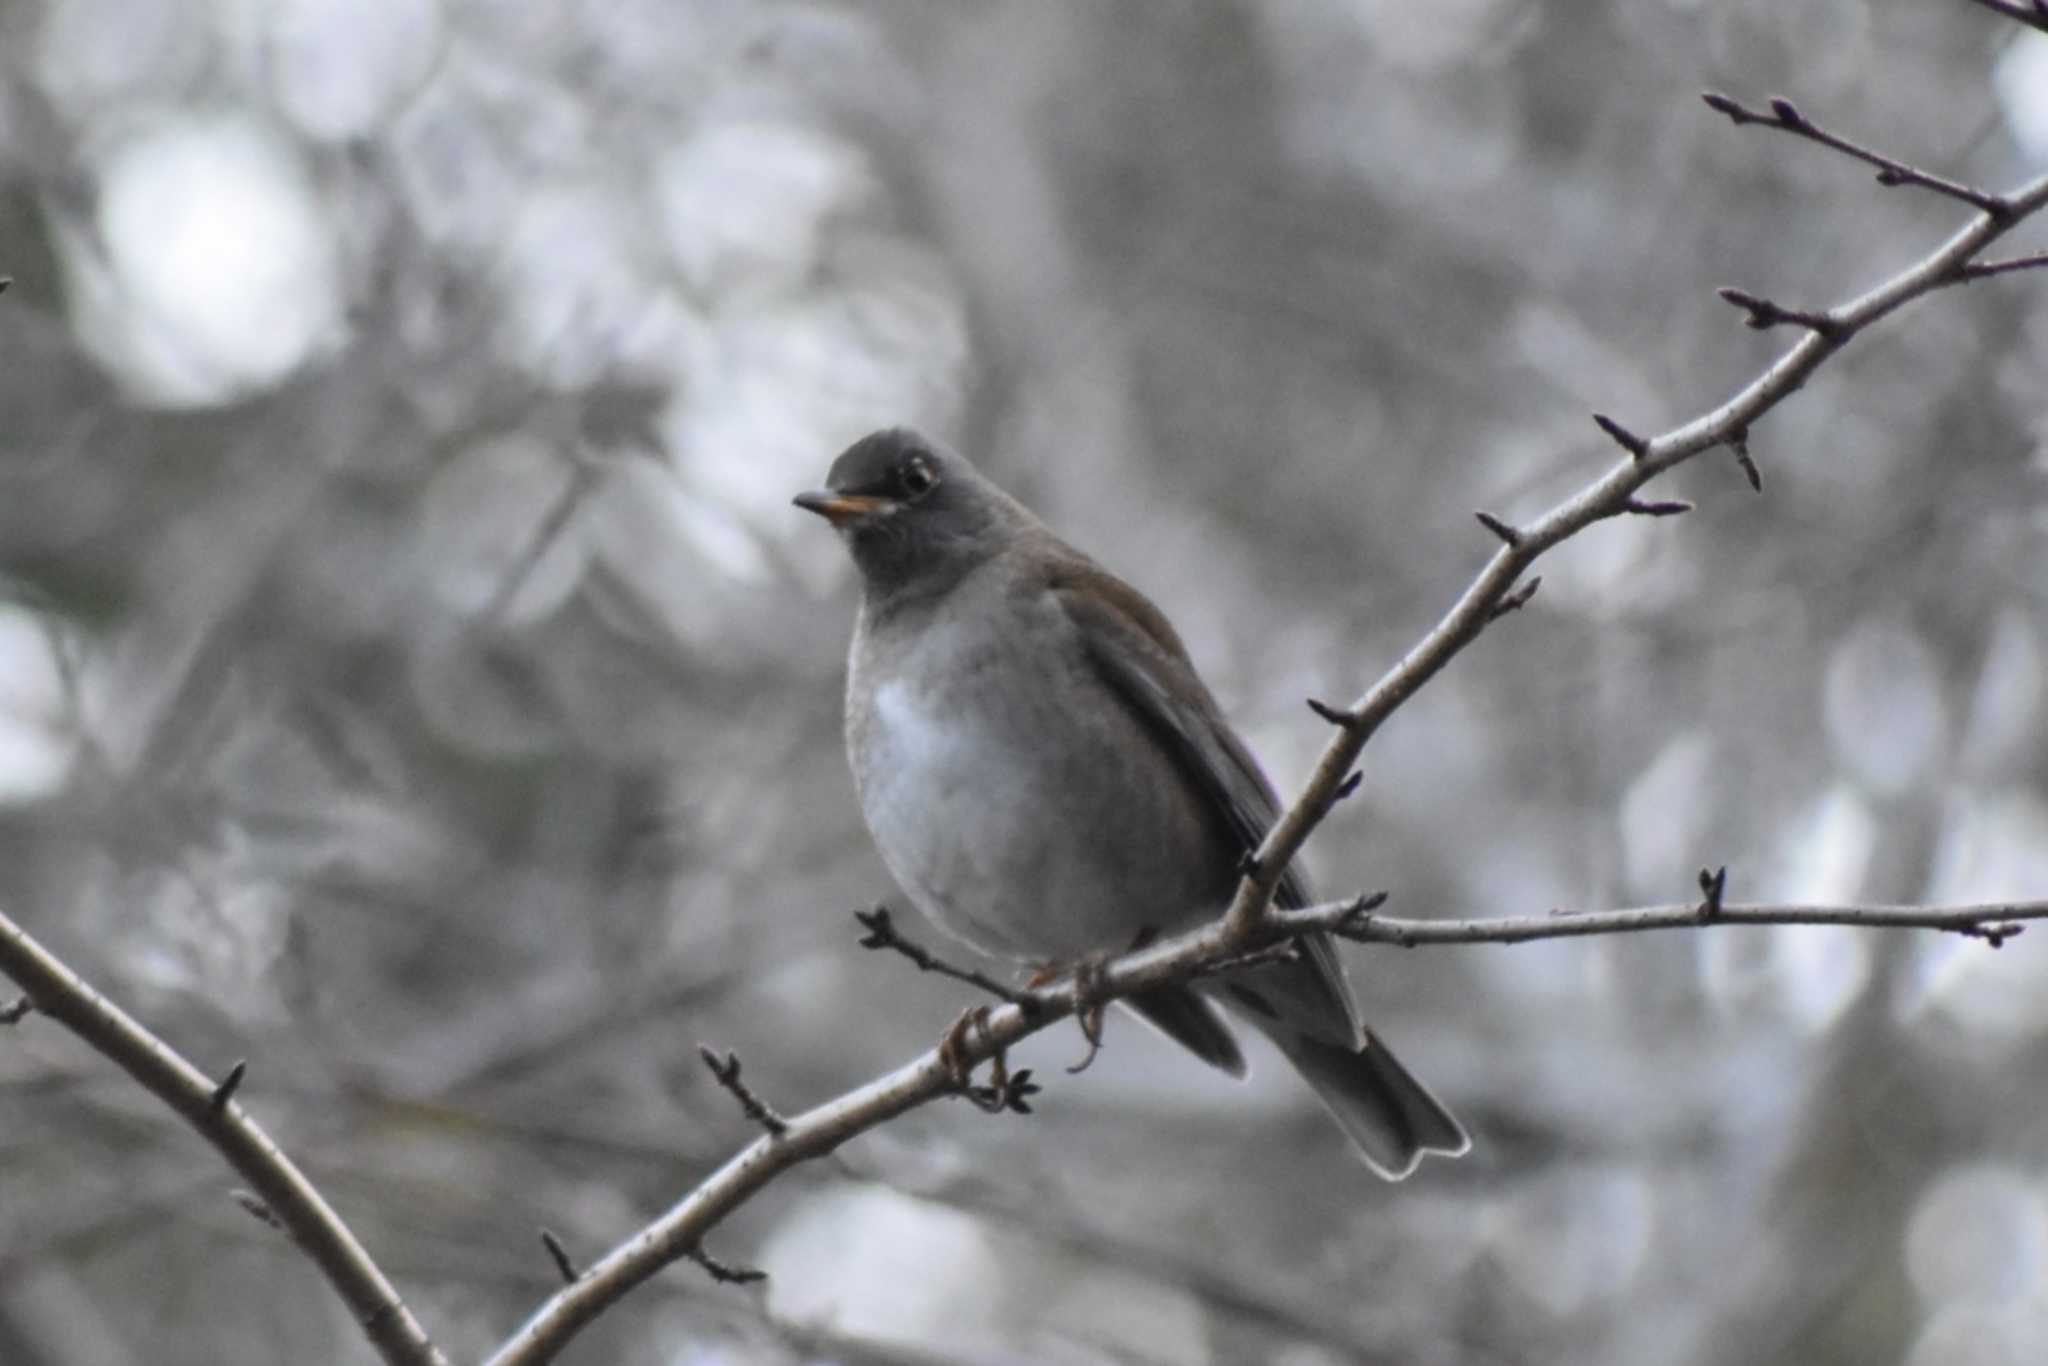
[(1047, 778)]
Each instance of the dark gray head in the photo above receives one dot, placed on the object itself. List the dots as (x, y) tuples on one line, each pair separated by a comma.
[(915, 515)]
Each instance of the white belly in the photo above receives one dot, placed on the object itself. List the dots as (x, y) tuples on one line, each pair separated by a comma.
[(1033, 830)]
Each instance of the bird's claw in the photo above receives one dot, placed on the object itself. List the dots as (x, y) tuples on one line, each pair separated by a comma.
[(954, 1057), (1089, 1011)]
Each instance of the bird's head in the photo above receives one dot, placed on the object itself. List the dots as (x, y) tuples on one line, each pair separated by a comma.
[(915, 515)]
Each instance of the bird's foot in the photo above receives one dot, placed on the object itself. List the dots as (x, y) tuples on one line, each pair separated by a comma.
[(1090, 1007), (954, 1046)]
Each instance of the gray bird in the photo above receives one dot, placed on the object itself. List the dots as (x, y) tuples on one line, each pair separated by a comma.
[(1047, 778)]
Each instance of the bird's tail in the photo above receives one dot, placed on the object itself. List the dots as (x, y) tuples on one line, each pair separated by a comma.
[(1389, 1116)]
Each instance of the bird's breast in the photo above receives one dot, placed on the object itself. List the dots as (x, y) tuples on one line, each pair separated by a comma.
[(1013, 797)]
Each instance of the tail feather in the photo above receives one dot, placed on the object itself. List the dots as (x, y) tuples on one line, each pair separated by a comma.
[(1188, 1018), (1389, 1116)]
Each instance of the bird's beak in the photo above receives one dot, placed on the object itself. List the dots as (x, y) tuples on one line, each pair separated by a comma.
[(840, 509)]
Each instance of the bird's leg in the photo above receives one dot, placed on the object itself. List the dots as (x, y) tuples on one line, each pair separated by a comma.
[(1089, 1007), (953, 1046)]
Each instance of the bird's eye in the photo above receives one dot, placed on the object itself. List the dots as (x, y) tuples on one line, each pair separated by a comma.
[(917, 478)]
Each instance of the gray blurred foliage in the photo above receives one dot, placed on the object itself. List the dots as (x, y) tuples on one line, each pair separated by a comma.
[(413, 679)]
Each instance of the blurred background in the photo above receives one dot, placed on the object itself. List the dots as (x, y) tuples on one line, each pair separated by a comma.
[(414, 679)]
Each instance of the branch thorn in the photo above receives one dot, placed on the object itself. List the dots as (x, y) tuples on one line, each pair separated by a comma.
[(1515, 601), (14, 1010), (1671, 508), (1508, 534), (1635, 445), (229, 1084), (1336, 716), (725, 1273), (560, 1255), (1713, 882), (1349, 785), (1739, 443)]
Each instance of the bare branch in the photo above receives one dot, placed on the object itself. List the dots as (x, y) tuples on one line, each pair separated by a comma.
[(1785, 115), (727, 1070), (1980, 270), (1994, 923), (883, 934), (1763, 313), (1492, 592), (281, 1190)]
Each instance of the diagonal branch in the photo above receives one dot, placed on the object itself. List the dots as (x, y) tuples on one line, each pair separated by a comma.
[(1785, 116), (282, 1192), (1608, 496)]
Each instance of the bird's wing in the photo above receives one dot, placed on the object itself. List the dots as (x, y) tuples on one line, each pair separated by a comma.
[(1136, 652)]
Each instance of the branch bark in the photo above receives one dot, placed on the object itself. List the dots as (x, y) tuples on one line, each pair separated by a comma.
[(285, 1196)]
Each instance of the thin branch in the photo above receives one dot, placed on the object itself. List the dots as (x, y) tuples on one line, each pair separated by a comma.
[(281, 1190), (1493, 590), (1994, 922), (1785, 116), (883, 934), (1764, 313), (2034, 15), (726, 1069), (1982, 270)]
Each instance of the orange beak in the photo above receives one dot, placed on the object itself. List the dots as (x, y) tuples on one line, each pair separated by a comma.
[(840, 508)]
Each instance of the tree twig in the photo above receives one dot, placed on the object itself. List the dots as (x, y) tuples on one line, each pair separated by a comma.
[(280, 1189), (883, 934), (1993, 922), (1607, 496), (726, 1069), (1786, 117)]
